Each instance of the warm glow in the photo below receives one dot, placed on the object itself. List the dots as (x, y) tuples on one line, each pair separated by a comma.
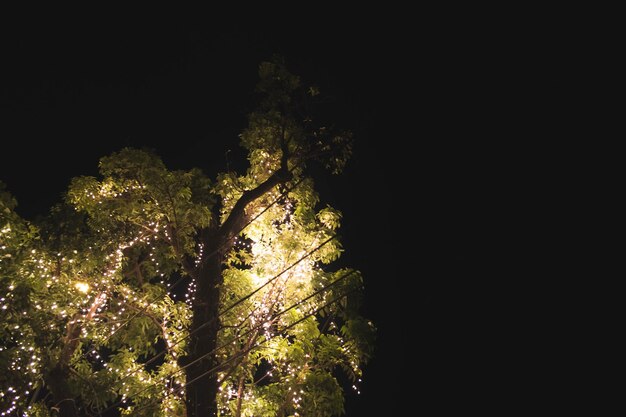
[(82, 287)]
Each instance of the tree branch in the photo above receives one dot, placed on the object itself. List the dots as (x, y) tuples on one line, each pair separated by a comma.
[(182, 257), (232, 225)]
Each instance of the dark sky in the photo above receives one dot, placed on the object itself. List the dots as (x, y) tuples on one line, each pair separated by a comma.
[(429, 111)]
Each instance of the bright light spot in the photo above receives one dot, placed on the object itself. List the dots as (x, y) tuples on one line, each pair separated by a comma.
[(82, 287)]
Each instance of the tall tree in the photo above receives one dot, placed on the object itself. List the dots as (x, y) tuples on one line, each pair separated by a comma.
[(264, 323)]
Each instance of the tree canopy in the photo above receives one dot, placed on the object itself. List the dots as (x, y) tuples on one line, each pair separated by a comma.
[(160, 292)]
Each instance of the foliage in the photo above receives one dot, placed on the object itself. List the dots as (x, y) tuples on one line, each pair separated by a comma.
[(90, 294)]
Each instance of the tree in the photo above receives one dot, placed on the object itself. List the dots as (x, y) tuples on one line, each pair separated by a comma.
[(265, 324)]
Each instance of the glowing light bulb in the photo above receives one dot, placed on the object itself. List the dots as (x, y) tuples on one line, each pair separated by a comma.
[(82, 287)]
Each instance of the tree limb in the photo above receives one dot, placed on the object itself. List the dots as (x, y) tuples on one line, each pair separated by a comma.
[(231, 227), (184, 259)]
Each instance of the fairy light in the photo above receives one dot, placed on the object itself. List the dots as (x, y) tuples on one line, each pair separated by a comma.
[(200, 254), (82, 287), (31, 364), (272, 244)]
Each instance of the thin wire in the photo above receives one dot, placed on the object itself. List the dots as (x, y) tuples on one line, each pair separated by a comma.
[(241, 300), (245, 334), (282, 332), (240, 354), (149, 361), (255, 328), (142, 310)]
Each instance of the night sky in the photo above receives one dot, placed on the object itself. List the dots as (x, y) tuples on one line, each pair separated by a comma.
[(419, 197)]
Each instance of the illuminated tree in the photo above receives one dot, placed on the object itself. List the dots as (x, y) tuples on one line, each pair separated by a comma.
[(264, 323)]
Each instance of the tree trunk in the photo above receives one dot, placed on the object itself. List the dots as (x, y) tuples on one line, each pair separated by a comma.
[(202, 388), (57, 382), (201, 394), (58, 376)]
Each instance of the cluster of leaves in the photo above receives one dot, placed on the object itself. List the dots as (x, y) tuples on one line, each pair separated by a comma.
[(58, 280)]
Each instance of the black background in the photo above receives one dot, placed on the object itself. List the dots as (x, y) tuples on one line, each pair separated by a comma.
[(431, 199)]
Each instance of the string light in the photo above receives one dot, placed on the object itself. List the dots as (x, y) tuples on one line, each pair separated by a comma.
[(269, 246), (82, 287)]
